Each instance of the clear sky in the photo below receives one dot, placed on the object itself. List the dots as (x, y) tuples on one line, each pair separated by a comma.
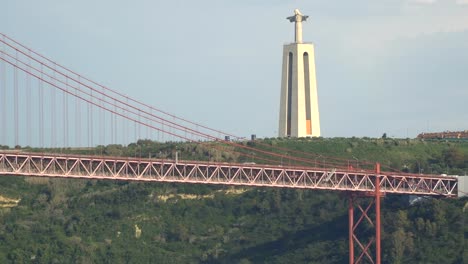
[(394, 66)]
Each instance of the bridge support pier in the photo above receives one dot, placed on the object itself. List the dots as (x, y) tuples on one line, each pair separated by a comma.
[(371, 249)]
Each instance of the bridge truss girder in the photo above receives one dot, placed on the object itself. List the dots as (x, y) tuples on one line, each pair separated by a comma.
[(137, 169), (355, 183)]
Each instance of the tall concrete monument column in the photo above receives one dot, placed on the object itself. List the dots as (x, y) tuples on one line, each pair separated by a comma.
[(299, 114)]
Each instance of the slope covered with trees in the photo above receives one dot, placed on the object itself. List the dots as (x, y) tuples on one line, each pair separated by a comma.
[(82, 221)]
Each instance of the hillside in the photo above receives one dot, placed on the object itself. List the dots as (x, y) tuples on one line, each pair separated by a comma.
[(82, 221)]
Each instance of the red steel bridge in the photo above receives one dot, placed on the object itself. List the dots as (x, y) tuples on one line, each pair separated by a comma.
[(48, 106)]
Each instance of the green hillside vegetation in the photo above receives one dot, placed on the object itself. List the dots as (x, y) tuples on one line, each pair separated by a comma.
[(86, 221)]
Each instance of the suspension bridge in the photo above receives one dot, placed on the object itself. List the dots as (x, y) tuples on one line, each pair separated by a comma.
[(45, 105)]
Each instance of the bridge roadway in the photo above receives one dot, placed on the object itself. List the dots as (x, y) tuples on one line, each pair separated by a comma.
[(157, 170)]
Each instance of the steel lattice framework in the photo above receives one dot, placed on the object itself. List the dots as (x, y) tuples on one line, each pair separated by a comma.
[(136, 169)]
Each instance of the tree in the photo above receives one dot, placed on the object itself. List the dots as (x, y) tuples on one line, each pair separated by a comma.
[(454, 157)]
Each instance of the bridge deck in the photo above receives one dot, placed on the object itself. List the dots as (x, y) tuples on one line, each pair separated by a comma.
[(136, 169)]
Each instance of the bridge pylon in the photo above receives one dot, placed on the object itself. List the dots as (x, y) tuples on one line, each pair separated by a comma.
[(370, 250)]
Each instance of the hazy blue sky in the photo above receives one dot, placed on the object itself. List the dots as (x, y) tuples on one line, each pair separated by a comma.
[(394, 66)]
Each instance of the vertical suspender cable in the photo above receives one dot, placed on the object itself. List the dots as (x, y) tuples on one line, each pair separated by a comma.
[(139, 126), (15, 101), (78, 117), (89, 121), (41, 109), (91, 110), (123, 124), (3, 99), (111, 121), (127, 133), (65, 115), (28, 105), (151, 136), (147, 128), (53, 125), (174, 129), (101, 123), (134, 130), (114, 129)]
